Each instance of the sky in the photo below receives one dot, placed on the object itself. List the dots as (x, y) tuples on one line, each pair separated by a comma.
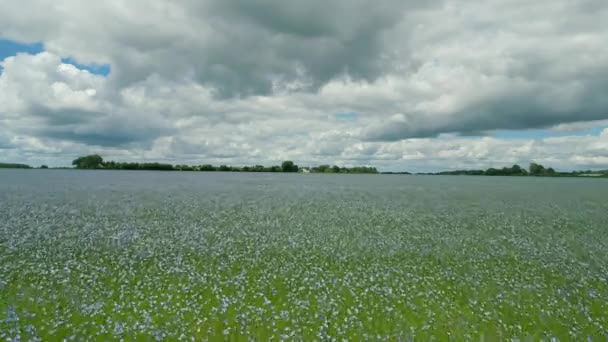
[(403, 85)]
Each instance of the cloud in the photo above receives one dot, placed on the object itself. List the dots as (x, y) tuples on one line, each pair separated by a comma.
[(257, 82), (43, 97), (491, 66), (238, 48), (5, 142), (579, 126)]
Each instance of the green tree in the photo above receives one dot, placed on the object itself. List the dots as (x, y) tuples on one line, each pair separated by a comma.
[(92, 161), (289, 166), (14, 166), (536, 169), (516, 169), (322, 168), (492, 172)]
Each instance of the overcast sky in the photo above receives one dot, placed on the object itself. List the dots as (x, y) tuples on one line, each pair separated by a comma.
[(402, 85)]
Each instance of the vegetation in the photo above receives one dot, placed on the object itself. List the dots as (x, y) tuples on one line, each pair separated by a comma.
[(93, 161), (539, 170), (327, 259), (136, 166), (289, 166), (516, 170), (14, 166), (337, 169), (97, 162)]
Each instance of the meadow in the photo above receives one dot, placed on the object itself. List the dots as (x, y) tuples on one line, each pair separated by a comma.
[(107, 255)]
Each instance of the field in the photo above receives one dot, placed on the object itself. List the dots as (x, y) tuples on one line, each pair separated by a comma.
[(105, 255)]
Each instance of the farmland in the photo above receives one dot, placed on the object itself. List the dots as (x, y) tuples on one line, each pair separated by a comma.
[(105, 255)]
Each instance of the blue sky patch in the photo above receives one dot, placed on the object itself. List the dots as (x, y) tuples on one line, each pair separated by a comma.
[(97, 69), (11, 48)]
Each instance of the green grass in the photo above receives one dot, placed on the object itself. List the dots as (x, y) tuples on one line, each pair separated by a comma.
[(279, 257)]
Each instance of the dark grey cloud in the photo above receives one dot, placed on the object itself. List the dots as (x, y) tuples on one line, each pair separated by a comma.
[(104, 138), (239, 48), (312, 42), (511, 70), (515, 108), (57, 117), (101, 128)]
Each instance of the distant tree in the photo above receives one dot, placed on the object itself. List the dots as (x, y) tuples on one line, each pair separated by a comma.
[(44, 167), (225, 168), (93, 161), (368, 169), (337, 169), (492, 172), (462, 172), (14, 166), (289, 166), (321, 168), (207, 167), (158, 167), (184, 168), (516, 169), (536, 169), (129, 166)]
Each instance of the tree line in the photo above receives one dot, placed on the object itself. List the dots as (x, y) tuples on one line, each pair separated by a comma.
[(96, 162), (533, 170), (338, 169), (14, 166)]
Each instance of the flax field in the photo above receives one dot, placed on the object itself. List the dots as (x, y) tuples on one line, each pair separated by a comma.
[(153, 256)]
